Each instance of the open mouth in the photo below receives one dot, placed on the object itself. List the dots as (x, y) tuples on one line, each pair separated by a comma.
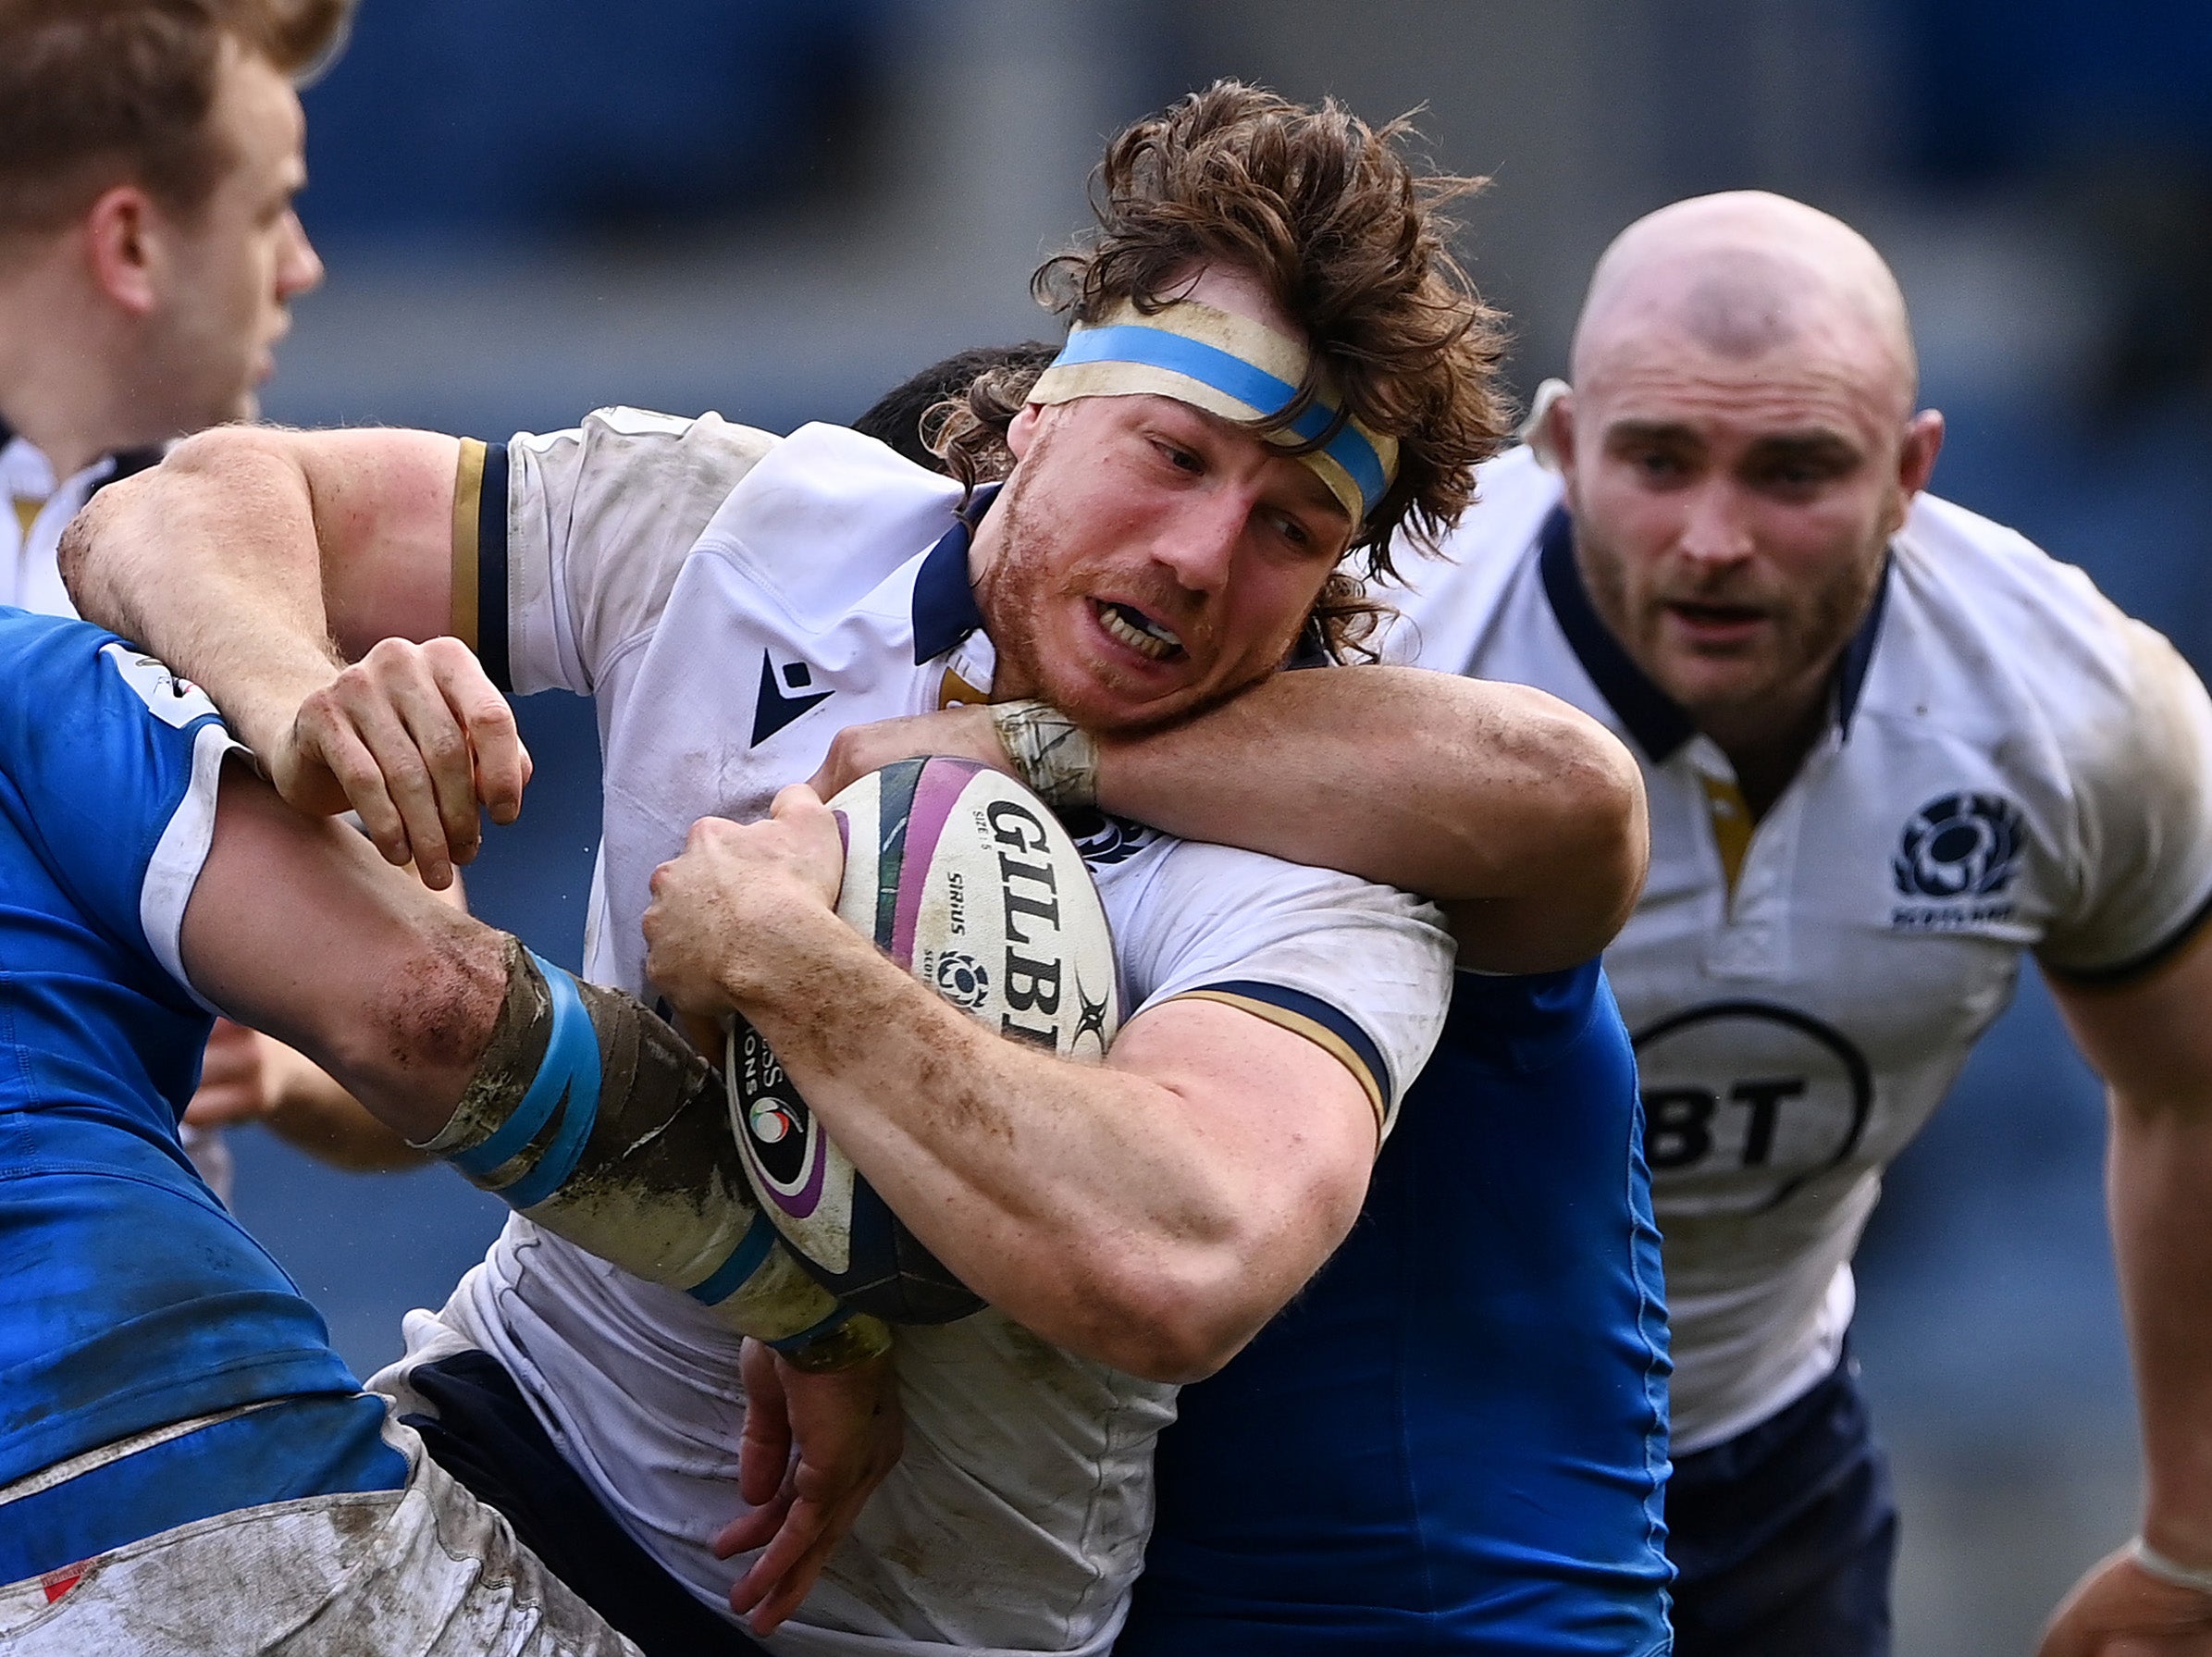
[(1138, 631)]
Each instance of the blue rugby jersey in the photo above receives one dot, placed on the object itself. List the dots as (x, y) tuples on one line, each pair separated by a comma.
[(1456, 1438), (129, 1297)]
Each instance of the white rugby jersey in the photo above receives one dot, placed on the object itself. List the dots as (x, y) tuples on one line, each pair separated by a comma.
[(2011, 764), (733, 601)]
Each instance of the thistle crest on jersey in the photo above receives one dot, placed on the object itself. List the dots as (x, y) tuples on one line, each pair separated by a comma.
[(1959, 846), (968, 881)]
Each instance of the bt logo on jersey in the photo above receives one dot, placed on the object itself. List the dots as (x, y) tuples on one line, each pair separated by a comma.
[(1745, 1101)]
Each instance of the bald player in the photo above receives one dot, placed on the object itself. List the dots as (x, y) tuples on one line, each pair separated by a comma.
[(1890, 748)]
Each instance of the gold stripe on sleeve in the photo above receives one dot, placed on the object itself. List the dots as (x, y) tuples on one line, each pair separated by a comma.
[(1327, 1040), (468, 502)]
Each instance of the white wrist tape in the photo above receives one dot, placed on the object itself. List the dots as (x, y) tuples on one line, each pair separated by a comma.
[(2152, 1563), (1054, 756)]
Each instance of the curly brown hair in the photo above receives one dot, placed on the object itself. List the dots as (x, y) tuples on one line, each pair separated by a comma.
[(99, 92), (1349, 240)]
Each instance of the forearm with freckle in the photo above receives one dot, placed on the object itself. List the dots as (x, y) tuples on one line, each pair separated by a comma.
[(210, 561), (1463, 791), (2160, 1173), (1080, 1200), (403, 1039)]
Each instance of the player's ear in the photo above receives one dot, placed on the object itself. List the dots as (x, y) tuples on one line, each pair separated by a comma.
[(120, 231), (1550, 429), (1023, 431), (1916, 460)]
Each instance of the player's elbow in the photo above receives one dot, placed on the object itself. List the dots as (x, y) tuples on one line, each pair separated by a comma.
[(87, 557), (1582, 869), (1592, 788), (1578, 818), (1598, 836), (1612, 830), (1176, 1325), (123, 523)]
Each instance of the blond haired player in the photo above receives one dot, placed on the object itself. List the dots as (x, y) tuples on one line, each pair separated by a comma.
[(149, 151)]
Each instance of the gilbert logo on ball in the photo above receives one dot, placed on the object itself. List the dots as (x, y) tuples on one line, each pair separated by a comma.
[(967, 880)]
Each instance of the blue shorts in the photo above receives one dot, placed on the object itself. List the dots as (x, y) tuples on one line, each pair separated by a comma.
[(1785, 1536)]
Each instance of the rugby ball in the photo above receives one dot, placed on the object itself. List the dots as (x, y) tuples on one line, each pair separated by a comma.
[(967, 880)]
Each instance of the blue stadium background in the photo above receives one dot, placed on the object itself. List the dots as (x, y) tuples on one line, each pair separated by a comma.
[(531, 207)]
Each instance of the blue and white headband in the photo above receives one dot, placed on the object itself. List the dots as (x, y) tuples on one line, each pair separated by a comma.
[(1227, 365)]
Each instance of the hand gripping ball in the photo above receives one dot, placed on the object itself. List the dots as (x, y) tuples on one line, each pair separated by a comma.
[(966, 879)]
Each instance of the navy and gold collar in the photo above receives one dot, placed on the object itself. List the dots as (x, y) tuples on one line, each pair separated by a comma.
[(1655, 720), (945, 607)]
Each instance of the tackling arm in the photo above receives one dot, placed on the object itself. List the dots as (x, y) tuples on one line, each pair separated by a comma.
[(293, 925), (2152, 1041), (252, 560), (1521, 816), (571, 1103), (1151, 1213)]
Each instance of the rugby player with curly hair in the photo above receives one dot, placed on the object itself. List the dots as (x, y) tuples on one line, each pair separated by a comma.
[(1275, 367)]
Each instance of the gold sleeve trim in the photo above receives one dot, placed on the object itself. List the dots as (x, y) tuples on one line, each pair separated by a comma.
[(468, 505), (1327, 1040)]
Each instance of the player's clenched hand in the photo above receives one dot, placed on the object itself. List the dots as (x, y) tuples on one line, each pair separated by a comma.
[(815, 1447), (2120, 1611), (965, 733), (414, 737), (735, 910)]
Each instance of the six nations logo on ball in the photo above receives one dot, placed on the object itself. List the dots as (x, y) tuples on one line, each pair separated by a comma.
[(788, 1153)]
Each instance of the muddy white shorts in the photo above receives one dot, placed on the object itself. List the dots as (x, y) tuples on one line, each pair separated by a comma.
[(423, 1571)]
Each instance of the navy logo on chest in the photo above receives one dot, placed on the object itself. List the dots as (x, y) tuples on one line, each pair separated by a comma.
[(1957, 856), (777, 707), (1105, 841)]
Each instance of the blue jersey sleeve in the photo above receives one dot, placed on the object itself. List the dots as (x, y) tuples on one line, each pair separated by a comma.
[(110, 764)]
